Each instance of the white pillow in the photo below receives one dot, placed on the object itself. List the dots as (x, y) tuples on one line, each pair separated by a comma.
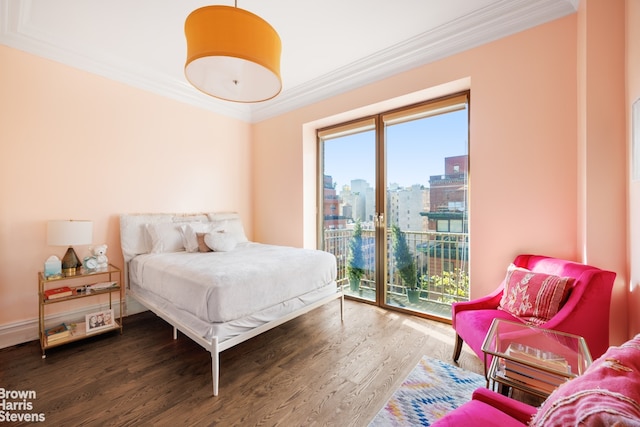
[(231, 223), (189, 234), (164, 237), (133, 233), (220, 241)]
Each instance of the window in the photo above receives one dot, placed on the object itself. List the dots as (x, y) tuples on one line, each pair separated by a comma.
[(407, 168)]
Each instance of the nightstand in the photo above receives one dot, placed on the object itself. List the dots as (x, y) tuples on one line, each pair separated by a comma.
[(83, 286)]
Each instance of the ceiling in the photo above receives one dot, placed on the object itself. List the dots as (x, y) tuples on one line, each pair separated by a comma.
[(328, 46)]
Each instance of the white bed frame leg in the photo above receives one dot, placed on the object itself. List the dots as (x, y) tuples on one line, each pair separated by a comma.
[(213, 345), (215, 364), (214, 349)]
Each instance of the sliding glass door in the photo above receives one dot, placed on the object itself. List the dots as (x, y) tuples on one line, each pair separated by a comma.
[(426, 185), (395, 198), (349, 205)]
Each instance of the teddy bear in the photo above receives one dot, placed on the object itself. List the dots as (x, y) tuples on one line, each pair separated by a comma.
[(100, 252)]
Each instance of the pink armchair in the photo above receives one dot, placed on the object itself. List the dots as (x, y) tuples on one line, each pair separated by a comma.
[(488, 408), (585, 312)]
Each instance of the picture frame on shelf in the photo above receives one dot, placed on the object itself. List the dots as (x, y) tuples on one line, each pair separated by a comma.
[(99, 321)]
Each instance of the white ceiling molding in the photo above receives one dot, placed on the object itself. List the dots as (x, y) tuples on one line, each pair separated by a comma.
[(493, 21), (496, 21)]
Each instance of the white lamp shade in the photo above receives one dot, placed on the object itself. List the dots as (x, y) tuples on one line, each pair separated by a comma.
[(69, 233)]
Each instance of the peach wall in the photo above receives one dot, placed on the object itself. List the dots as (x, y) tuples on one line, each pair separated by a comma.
[(602, 147), (523, 150), (633, 94), (74, 145), (523, 133)]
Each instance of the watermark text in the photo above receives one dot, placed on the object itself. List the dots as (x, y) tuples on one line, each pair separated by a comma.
[(17, 405)]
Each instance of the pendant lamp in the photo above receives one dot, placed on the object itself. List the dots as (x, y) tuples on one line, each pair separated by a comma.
[(232, 54)]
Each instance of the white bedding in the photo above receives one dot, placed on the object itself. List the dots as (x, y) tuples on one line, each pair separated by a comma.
[(227, 330), (224, 286)]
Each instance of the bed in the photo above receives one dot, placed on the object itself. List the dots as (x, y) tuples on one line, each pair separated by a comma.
[(223, 296)]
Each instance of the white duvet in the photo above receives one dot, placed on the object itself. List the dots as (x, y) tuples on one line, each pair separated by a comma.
[(223, 286)]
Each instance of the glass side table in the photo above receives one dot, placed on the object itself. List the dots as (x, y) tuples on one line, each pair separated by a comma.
[(532, 359)]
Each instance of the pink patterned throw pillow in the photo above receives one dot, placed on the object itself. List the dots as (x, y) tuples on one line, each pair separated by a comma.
[(607, 394), (533, 297)]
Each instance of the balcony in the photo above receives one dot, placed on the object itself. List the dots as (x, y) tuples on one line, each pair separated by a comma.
[(441, 263)]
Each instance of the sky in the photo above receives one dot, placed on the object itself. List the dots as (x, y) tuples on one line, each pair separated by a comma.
[(415, 151)]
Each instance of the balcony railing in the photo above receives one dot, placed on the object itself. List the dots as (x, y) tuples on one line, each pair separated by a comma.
[(441, 263)]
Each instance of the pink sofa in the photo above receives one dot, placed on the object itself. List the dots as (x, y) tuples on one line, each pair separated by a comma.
[(585, 311), (607, 394)]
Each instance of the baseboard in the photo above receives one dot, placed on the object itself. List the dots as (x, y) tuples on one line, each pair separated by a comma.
[(27, 330)]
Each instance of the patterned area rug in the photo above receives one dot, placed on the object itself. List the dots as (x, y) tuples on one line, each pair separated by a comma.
[(431, 390)]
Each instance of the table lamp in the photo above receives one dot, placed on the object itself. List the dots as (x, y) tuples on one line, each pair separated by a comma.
[(68, 233)]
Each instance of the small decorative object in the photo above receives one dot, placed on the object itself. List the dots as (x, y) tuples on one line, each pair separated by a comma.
[(99, 321), (82, 290), (52, 267), (90, 263), (100, 253)]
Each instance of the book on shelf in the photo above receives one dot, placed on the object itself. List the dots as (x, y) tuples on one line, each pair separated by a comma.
[(528, 381), (57, 332), (102, 285), (537, 357), (61, 292), (512, 367)]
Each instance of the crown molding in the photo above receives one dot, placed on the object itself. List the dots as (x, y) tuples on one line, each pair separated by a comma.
[(15, 32), (499, 19)]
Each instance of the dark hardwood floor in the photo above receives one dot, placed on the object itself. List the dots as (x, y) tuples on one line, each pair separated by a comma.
[(313, 370)]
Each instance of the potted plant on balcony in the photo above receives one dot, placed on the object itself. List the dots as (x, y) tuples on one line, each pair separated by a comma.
[(355, 260), (405, 263)]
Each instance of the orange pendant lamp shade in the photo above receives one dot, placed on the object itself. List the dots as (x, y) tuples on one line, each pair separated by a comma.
[(232, 54)]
